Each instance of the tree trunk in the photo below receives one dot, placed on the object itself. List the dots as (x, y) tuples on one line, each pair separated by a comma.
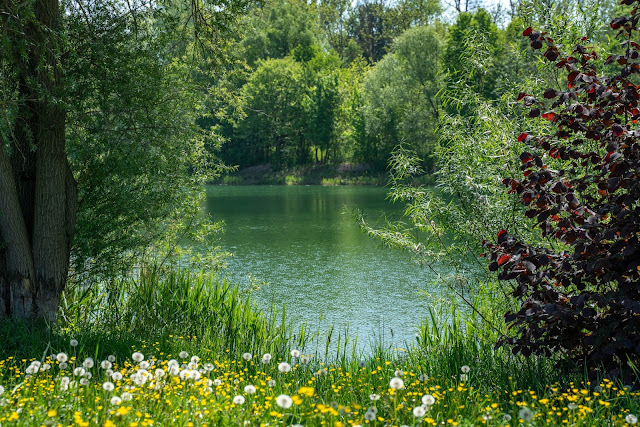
[(37, 189)]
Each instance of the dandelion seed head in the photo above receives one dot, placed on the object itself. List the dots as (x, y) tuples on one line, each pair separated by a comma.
[(137, 357), (247, 356), (525, 414), (108, 386), (115, 400), (428, 400), (369, 416), (424, 377), (398, 373), (396, 383), (111, 358), (374, 397), (126, 396), (305, 360), (295, 353), (84, 381), (465, 369), (79, 371), (159, 373), (144, 364), (238, 400), (117, 376), (105, 364), (62, 357), (183, 354), (250, 389), (631, 419), (284, 401), (271, 383), (284, 367), (463, 377), (217, 382), (419, 412), (88, 363), (73, 343)]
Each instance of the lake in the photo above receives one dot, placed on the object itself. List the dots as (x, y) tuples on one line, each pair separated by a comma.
[(317, 262)]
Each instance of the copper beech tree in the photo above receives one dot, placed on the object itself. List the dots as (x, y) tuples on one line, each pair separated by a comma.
[(579, 294)]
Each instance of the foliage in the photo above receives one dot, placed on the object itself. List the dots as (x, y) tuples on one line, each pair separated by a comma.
[(399, 96), (579, 292)]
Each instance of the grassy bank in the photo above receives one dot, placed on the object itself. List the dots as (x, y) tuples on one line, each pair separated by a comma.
[(321, 174), (190, 350)]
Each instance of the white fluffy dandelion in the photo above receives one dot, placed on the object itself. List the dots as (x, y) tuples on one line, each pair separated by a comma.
[(284, 401), (217, 382), (88, 363), (398, 373), (105, 364), (79, 371), (463, 377), (374, 397), (465, 369), (115, 400), (247, 356), (271, 383), (144, 364), (1, 390), (396, 383), (73, 343), (266, 358), (631, 419), (62, 357), (238, 400), (419, 411), (111, 358), (137, 357), (250, 389), (108, 386), (428, 400), (305, 360), (117, 376), (424, 377), (295, 353), (525, 414), (284, 367)]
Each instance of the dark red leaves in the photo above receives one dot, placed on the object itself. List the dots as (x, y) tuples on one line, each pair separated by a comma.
[(580, 290), (503, 259)]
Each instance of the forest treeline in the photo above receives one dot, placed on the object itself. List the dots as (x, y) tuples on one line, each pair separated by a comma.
[(334, 81)]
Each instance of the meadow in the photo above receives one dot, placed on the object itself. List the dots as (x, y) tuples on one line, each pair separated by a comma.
[(191, 350)]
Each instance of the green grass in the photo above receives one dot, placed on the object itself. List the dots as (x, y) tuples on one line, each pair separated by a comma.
[(163, 313)]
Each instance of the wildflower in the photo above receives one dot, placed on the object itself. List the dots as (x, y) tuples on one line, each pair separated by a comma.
[(88, 375), (465, 369), (117, 376), (424, 377), (572, 406), (362, 363), (506, 418), (525, 414), (115, 400), (396, 383), (1, 390), (105, 364), (463, 377), (266, 358), (305, 360), (183, 354), (249, 389), (73, 343), (126, 396), (88, 363), (111, 358), (62, 357), (369, 415), (174, 370), (428, 399), (295, 353), (79, 371), (194, 375), (284, 401), (184, 374), (398, 373), (31, 369), (247, 356), (45, 367), (195, 359), (84, 381), (419, 412), (284, 367), (238, 400), (137, 356), (144, 364), (217, 382), (108, 386), (374, 397), (631, 419), (159, 373), (322, 373), (63, 365), (272, 383)]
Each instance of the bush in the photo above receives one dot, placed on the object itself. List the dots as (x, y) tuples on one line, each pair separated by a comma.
[(578, 290)]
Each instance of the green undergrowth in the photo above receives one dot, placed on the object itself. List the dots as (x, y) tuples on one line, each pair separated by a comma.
[(177, 315)]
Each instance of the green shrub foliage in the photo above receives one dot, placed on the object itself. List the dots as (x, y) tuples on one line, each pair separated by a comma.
[(579, 292)]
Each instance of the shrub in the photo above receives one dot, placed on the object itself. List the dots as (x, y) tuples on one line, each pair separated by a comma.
[(579, 292)]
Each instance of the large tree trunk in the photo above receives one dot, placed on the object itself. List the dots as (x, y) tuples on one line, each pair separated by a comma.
[(37, 189)]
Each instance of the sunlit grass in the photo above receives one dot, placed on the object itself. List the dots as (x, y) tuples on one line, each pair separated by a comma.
[(197, 390)]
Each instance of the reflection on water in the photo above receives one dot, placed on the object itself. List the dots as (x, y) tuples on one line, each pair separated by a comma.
[(317, 262)]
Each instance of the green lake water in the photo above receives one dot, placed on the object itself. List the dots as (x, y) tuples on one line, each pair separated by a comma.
[(317, 262)]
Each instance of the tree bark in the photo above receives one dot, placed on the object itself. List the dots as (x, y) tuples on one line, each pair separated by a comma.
[(37, 189)]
